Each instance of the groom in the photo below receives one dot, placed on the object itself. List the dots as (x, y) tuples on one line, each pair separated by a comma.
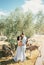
[(24, 40)]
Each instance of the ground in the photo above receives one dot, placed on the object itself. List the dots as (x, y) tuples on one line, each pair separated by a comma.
[(30, 59)]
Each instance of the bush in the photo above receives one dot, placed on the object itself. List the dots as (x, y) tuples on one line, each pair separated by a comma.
[(13, 43)]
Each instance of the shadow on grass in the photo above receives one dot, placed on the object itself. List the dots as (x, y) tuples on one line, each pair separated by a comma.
[(27, 58), (7, 62), (10, 61)]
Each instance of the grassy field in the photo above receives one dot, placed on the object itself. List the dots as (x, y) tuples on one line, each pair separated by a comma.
[(30, 59)]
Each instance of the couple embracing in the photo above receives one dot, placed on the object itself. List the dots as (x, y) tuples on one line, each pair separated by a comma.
[(20, 52)]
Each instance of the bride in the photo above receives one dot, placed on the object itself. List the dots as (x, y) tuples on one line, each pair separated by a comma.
[(19, 52)]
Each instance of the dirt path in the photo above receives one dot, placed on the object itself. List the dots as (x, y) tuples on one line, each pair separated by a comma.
[(40, 60)]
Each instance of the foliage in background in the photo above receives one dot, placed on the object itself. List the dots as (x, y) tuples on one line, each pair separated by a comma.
[(39, 26), (18, 21)]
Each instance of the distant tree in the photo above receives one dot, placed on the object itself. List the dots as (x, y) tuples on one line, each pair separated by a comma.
[(39, 26)]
